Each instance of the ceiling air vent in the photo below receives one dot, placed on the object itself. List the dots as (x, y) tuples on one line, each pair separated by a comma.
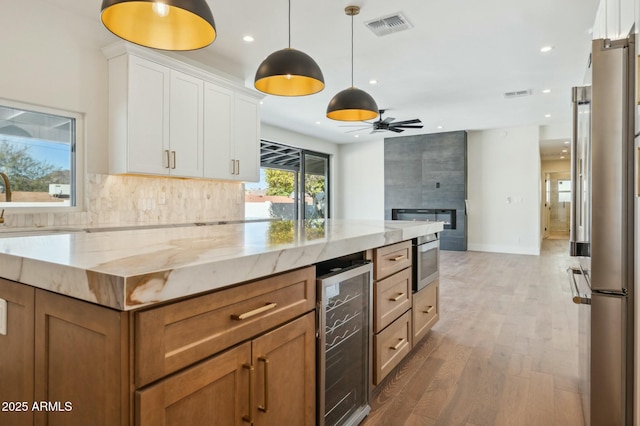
[(518, 94), (388, 24)]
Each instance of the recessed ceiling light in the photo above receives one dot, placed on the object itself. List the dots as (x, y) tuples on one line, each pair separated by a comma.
[(317, 122), (545, 91), (546, 49), (439, 127), (565, 150), (547, 116), (356, 136), (562, 157), (567, 142), (248, 38), (373, 81)]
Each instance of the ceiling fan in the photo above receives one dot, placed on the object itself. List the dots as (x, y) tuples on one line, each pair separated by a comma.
[(388, 124)]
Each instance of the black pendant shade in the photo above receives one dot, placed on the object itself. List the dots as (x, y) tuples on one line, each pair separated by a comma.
[(289, 72), (164, 24), (352, 105)]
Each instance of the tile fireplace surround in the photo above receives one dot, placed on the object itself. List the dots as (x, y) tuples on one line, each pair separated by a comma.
[(137, 200)]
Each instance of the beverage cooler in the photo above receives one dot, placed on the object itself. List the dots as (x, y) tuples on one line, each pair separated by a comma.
[(344, 300)]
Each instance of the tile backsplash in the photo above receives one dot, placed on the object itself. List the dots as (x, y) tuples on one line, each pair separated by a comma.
[(139, 200)]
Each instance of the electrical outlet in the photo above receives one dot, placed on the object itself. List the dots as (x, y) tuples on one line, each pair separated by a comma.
[(3, 317)]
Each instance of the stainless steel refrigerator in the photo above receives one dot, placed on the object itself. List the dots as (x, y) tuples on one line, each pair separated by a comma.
[(602, 231)]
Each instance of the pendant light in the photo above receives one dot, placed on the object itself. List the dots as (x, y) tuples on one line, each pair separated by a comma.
[(161, 24), (352, 104), (289, 72)]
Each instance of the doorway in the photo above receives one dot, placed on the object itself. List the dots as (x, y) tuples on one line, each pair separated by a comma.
[(557, 205)]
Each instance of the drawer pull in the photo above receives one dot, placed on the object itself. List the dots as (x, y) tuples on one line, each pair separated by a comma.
[(398, 257), (249, 418), (398, 297), (255, 312), (166, 151), (397, 346), (429, 309), (265, 407)]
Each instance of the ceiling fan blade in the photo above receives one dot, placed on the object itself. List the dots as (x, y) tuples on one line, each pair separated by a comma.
[(414, 121), (406, 127), (364, 126), (388, 120), (394, 129), (355, 130)]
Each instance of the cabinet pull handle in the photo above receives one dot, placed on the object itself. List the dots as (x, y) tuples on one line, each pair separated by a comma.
[(397, 346), (398, 297), (173, 154), (238, 168), (166, 151), (249, 417), (255, 312), (398, 257), (233, 167), (429, 309), (265, 407)]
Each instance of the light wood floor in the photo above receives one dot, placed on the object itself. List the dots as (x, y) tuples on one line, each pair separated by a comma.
[(503, 353)]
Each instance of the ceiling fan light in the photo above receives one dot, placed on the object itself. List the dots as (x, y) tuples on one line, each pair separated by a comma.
[(352, 105), (165, 24), (289, 72)]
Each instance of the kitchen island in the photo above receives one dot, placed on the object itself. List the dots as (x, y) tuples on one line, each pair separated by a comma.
[(169, 327)]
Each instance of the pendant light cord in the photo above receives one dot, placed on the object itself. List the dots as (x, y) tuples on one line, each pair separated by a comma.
[(289, 24), (351, 50)]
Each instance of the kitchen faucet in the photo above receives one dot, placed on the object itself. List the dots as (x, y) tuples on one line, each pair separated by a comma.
[(7, 187)]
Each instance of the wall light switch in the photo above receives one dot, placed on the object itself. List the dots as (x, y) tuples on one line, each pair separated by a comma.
[(3, 317)]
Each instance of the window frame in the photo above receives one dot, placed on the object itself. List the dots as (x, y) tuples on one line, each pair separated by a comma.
[(78, 162)]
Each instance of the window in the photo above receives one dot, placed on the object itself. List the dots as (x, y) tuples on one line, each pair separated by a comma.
[(38, 156), (284, 171)]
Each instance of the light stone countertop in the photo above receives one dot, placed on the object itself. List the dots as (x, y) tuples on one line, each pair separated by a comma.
[(129, 269)]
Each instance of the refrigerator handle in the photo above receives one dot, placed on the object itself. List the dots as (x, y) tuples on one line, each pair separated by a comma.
[(579, 95), (575, 293)]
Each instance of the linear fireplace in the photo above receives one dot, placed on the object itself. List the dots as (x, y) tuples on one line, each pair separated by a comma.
[(448, 216)]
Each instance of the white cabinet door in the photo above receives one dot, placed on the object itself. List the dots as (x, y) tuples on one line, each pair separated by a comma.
[(218, 103), (627, 16), (148, 113), (247, 138), (185, 125)]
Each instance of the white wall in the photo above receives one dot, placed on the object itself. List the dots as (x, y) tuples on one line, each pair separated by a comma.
[(53, 61), (362, 185), (504, 190)]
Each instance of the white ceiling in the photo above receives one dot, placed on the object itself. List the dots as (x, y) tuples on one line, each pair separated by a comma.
[(451, 69)]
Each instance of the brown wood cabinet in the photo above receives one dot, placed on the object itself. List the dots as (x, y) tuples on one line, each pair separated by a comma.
[(81, 362), (269, 380), (392, 300), (223, 358), (16, 354), (425, 310), (391, 346)]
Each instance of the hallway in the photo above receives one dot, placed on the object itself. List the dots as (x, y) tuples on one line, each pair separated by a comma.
[(503, 353)]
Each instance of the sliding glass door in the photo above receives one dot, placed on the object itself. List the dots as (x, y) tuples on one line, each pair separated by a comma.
[(294, 184)]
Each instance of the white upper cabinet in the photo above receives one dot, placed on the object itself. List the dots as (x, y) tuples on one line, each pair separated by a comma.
[(247, 138), (173, 119), (185, 125), (218, 156), (232, 138), (614, 19)]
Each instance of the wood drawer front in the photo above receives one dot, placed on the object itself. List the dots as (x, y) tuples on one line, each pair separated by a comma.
[(174, 336), (392, 298), (425, 310), (391, 259), (391, 346)]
